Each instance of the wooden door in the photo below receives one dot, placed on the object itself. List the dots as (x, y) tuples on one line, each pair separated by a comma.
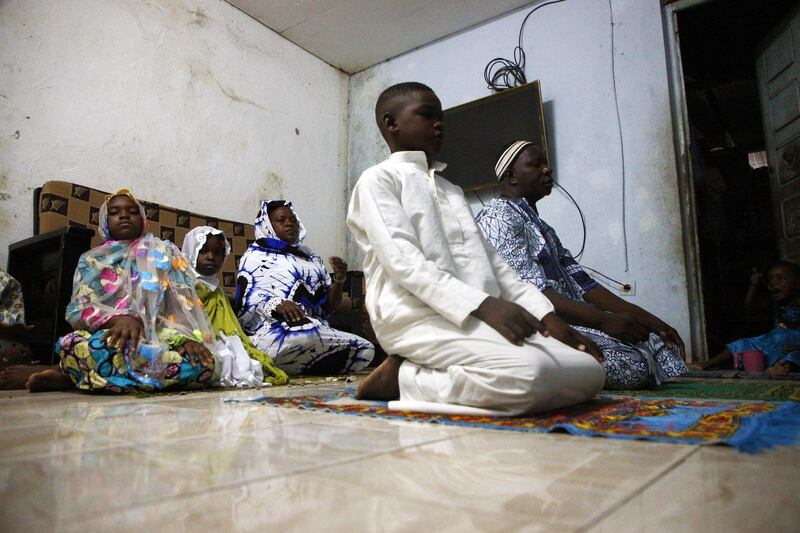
[(778, 73)]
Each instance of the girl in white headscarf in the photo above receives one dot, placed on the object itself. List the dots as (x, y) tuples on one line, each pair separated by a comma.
[(287, 295), (242, 363)]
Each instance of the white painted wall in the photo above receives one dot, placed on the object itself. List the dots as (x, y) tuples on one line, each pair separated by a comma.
[(194, 104), (190, 103), (568, 48)]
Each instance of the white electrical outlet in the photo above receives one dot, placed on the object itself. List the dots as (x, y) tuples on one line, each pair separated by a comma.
[(631, 290)]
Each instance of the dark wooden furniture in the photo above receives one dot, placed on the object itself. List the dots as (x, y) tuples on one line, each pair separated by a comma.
[(44, 265)]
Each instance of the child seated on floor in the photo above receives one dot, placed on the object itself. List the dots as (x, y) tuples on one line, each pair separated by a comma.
[(13, 335), (138, 322), (205, 249), (468, 336), (14, 349), (781, 345), (13, 331)]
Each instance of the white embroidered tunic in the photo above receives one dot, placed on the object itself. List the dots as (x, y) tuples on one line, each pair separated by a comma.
[(423, 248), (427, 268)]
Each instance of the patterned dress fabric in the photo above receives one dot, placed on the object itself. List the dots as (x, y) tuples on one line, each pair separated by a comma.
[(12, 314), (12, 307), (533, 249), (272, 271), (786, 331), (148, 279)]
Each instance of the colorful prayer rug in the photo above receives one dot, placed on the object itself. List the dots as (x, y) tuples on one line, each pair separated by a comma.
[(719, 389), (738, 374), (748, 426)]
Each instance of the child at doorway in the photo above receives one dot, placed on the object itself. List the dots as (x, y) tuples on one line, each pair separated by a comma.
[(781, 345)]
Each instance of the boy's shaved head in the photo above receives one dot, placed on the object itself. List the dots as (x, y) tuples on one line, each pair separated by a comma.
[(410, 118), (392, 96)]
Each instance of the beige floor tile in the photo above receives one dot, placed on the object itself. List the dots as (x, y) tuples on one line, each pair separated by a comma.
[(69, 486), (395, 426), (216, 461), (549, 479), (302, 503), (78, 412), (231, 458), (98, 411), (49, 440), (235, 398), (243, 395), (23, 397), (167, 421), (718, 489), (28, 416)]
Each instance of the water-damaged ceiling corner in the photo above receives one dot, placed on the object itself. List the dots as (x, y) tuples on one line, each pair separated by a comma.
[(355, 34)]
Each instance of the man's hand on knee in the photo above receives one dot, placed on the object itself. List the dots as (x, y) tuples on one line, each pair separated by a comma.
[(560, 330), (512, 321), (666, 332)]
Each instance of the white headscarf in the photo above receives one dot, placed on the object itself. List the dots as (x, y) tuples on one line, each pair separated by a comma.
[(193, 243), (263, 226)]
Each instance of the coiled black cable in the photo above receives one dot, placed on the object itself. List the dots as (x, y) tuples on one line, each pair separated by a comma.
[(501, 73)]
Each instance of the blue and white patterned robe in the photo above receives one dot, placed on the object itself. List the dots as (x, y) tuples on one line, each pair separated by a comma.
[(533, 249), (274, 271)]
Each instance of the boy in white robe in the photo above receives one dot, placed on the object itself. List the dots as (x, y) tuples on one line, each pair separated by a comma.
[(470, 337)]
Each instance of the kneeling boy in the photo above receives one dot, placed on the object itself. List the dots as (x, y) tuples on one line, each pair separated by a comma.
[(471, 337)]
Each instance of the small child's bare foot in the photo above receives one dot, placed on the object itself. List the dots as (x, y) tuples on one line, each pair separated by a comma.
[(781, 368), (15, 377), (48, 380), (694, 367), (383, 382)]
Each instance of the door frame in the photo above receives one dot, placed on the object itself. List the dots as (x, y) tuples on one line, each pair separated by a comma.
[(783, 241), (680, 135)]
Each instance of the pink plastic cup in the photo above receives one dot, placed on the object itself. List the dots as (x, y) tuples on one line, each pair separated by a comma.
[(750, 361)]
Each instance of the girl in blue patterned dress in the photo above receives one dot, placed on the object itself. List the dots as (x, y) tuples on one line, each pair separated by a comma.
[(781, 345), (286, 297), (639, 348)]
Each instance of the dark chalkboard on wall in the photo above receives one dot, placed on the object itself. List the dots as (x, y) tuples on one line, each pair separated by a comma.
[(476, 131)]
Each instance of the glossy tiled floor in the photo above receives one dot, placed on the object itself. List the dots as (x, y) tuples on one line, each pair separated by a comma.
[(196, 462)]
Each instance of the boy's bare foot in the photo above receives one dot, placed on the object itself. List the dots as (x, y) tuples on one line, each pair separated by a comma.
[(48, 380), (382, 383), (15, 377)]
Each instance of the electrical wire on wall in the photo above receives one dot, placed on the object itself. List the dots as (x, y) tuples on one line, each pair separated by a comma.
[(622, 286), (583, 220), (621, 143), (501, 73)]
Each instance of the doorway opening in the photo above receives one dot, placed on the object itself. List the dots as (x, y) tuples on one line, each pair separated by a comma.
[(727, 150)]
